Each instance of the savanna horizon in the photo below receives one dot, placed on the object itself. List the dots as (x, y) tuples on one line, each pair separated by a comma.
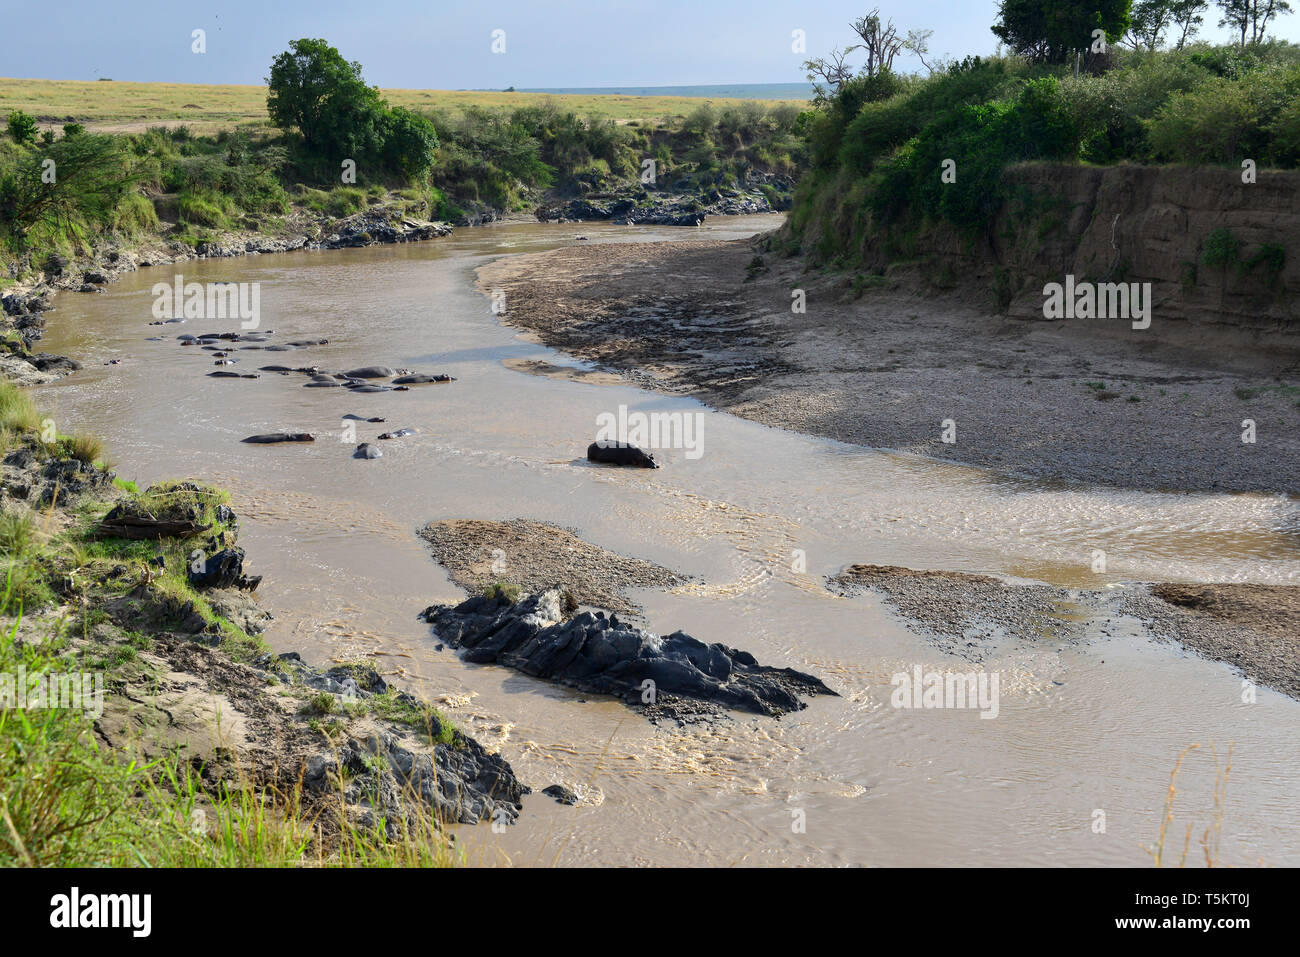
[(108, 104)]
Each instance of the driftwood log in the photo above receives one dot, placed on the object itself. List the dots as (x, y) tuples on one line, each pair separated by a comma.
[(141, 527)]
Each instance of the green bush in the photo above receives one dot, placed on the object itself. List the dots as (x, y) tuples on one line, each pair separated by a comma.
[(202, 208), (1213, 123), (22, 128)]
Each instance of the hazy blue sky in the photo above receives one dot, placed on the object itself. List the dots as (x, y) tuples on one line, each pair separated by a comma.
[(438, 45)]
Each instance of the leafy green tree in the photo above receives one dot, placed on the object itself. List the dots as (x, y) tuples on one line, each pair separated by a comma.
[(1151, 20), (22, 128), (409, 143), (92, 173), (1052, 30), (1250, 18), (314, 90), (1187, 16), (1148, 23)]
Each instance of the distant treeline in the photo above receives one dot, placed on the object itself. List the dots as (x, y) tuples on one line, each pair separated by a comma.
[(339, 146)]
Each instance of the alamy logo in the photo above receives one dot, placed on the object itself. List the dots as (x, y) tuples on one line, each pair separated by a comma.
[(52, 691), (1107, 300), (946, 689), (214, 300), (653, 430), (102, 910)]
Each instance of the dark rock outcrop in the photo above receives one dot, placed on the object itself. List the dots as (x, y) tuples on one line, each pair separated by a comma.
[(274, 437), (562, 793), (620, 453), (600, 654), (460, 781), (48, 362), (224, 569)]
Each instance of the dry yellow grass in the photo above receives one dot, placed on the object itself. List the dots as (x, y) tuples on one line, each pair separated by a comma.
[(130, 107)]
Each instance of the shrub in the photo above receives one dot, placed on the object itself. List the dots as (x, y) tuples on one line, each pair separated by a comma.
[(202, 209), (22, 128), (18, 412)]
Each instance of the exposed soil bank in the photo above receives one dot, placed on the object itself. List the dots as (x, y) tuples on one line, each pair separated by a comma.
[(1081, 400), (1219, 253)]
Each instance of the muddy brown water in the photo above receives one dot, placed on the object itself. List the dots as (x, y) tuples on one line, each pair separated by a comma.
[(1084, 729)]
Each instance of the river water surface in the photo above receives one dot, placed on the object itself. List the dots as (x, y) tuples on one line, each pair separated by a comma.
[(1083, 728)]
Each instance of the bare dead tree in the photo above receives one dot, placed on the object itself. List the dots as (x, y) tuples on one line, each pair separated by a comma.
[(917, 43), (881, 41), (828, 74)]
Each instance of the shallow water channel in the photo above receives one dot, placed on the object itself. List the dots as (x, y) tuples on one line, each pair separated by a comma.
[(1083, 727)]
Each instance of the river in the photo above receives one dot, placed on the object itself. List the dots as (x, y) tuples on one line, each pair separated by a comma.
[(1083, 727)]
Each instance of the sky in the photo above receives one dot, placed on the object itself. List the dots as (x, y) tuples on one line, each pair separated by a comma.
[(424, 44)]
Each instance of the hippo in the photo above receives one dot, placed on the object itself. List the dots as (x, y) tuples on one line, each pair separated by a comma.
[(399, 433), (321, 384), (280, 437), (223, 374), (361, 418), (421, 379), (189, 342), (184, 336), (367, 451), (275, 368), (620, 453), (371, 372), (225, 362), (370, 388), (279, 348), (309, 342)]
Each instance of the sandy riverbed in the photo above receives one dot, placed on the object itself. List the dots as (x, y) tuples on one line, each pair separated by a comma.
[(890, 368)]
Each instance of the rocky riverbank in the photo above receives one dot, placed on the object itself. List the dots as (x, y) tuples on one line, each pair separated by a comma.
[(640, 206), (24, 304), (107, 578)]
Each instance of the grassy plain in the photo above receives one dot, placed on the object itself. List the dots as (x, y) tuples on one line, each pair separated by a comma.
[(112, 106)]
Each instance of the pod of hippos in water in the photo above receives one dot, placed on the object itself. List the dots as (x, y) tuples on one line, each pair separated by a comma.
[(363, 380)]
